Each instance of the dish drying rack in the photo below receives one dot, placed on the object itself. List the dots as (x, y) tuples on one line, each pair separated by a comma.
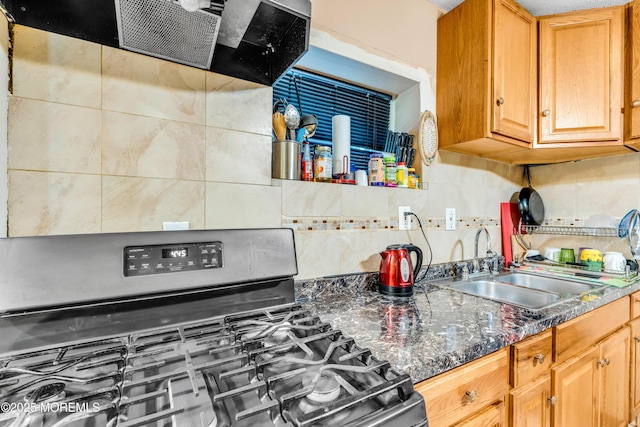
[(580, 272), (567, 230)]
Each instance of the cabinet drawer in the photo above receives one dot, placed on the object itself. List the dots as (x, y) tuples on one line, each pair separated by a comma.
[(531, 358), (635, 305), (454, 395), (571, 337)]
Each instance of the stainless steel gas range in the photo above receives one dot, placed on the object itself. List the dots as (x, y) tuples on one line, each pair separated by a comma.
[(181, 328)]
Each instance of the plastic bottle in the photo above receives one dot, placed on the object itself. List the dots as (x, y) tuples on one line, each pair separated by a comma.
[(306, 169), (390, 171), (412, 177), (376, 169), (402, 176)]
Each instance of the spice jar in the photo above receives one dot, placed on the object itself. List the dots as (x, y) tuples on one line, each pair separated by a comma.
[(390, 171), (402, 175), (322, 164), (376, 169), (412, 177)]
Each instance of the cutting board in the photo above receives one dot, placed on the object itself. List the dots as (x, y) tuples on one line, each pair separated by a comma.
[(509, 220)]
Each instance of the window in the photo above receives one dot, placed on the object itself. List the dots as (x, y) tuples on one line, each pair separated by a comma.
[(326, 97)]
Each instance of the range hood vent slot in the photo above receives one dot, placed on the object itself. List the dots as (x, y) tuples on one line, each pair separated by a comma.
[(163, 29)]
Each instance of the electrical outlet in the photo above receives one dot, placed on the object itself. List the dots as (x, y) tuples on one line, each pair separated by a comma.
[(175, 225), (450, 219), (404, 221)]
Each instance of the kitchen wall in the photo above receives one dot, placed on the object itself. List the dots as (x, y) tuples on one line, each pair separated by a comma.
[(103, 140)]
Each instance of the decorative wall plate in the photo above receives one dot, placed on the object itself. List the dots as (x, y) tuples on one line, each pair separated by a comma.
[(428, 137)]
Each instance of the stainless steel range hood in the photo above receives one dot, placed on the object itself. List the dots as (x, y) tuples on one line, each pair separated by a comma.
[(254, 40)]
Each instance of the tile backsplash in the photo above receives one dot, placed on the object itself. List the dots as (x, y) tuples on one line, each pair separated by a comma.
[(104, 140)]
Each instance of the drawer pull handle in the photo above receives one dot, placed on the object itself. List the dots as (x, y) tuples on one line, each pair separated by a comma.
[(471, 396), (637, 338), (539, 358), (552, 400), (604, 361)]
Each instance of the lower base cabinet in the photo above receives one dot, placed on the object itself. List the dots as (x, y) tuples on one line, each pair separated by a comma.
[(493, 416), (472, 394), (592, 388), (531, 404)]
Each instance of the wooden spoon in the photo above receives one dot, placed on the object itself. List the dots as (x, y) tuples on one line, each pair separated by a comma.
[(279, 126)]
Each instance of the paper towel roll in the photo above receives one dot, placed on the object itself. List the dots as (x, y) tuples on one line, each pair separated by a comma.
[(341, 143)]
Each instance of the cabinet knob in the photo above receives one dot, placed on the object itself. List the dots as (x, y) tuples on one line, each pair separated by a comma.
[(603, 362), (552, 400), (635, 103), (636, 338), (539, 358), (471, 396), (500, 101), (545, 113)]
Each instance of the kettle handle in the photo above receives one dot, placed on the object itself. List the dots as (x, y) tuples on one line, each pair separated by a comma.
[(418, 251)]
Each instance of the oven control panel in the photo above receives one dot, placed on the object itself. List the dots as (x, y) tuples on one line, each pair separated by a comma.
[(159, 259)]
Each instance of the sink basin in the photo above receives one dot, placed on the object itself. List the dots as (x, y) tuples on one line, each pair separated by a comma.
[(526, 290), (549, 284), (523, 297)]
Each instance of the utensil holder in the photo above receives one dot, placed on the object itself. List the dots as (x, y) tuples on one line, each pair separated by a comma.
[(285, 159)]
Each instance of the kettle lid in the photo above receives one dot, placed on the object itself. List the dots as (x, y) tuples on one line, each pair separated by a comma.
[(395, 247)]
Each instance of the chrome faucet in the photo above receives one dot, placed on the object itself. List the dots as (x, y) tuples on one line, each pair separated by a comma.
[(490, 253)]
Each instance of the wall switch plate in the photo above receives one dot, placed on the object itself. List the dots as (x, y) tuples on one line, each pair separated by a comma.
[(175, 225), (450, 219), (404, 221)]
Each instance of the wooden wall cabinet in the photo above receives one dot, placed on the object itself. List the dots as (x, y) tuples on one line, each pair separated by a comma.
[(632, 82), (493, 64), (486, 77), (581, 77)]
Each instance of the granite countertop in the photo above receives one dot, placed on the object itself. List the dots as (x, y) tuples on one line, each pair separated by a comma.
[(438, 328)]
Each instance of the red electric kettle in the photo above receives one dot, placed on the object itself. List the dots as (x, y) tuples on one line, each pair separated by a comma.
[(396, 272)]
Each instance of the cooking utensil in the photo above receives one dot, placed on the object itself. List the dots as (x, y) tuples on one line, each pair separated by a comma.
[(279, 126), (291, 120), (633, 235), (625, 222), (530, 203), (309, 122)]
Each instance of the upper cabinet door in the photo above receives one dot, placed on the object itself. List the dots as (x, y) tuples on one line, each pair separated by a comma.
[(515, 71), (581, 75), (633, 106)]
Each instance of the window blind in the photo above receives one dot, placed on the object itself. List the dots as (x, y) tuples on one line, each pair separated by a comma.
[(326, 97)]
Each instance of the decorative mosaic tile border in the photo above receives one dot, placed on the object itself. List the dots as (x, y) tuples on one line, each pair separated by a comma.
[(386, 223), (375, 223)]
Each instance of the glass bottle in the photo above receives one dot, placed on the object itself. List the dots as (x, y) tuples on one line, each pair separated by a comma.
[(322, 164)]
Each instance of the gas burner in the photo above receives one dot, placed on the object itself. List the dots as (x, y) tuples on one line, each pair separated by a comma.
[(325, 386), (47, 392), (270, 335)]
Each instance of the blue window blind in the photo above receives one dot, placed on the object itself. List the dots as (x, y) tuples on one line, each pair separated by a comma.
[(326, 97)]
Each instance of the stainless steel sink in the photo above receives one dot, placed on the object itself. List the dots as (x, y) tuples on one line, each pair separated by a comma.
[(549, 284), (511, 294), (530, 291)]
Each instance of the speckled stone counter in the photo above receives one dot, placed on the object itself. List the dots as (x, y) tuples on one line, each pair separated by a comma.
[(438, 328)]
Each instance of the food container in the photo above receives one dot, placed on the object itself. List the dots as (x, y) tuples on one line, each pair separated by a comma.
[(376, 170), (322, 164)]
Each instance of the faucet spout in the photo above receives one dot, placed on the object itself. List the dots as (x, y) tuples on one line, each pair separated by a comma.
[(490, 252)]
